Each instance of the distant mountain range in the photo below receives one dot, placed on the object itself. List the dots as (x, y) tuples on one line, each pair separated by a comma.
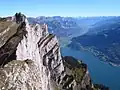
[(103, 40), (99, 35), (68, 26)]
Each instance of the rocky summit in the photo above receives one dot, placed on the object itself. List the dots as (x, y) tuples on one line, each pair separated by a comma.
[(30, 59)]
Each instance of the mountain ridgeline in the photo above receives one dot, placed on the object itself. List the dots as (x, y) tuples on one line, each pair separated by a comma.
[(67, 26)]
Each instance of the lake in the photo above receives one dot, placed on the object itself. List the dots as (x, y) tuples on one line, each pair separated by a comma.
[(100, 72)]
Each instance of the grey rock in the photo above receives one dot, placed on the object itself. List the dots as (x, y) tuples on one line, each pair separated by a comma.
[(30, 59), (20, 75)]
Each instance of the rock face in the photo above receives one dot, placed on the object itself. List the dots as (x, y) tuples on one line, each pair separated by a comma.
[(30, 59), (20, 75), (43, 48)]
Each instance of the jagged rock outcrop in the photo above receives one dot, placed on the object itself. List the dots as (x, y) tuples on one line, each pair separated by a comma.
[(35, 43), (45, 69), (19, 17)]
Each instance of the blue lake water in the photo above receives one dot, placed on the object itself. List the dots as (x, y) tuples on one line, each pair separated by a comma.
[(100, 72)]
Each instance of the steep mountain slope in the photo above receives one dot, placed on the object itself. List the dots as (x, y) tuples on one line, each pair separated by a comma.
[(102, 41), (30, 59)]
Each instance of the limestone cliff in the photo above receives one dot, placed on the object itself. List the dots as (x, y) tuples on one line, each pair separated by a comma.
[(30, 59)]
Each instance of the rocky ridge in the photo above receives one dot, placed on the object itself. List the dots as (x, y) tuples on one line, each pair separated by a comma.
[(30, 59)]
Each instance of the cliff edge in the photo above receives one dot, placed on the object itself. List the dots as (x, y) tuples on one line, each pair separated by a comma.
[(30, 59)]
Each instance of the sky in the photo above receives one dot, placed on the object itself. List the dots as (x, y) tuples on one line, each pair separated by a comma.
[(75, 8)]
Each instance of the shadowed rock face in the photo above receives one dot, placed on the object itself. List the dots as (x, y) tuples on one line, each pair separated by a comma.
[(38, 63), (19, 18), (8, 50)]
